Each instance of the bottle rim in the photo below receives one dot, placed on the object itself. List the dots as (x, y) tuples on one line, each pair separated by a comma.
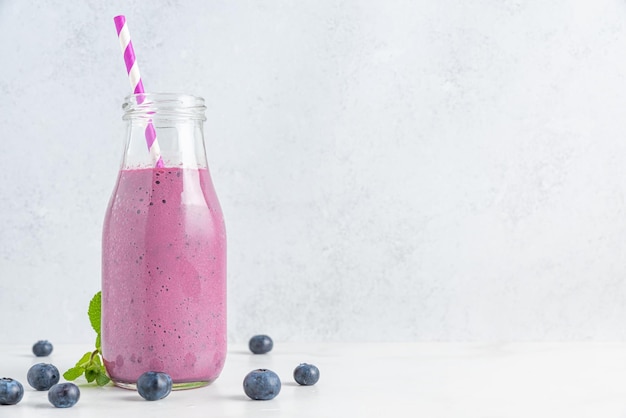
[(163, 105)]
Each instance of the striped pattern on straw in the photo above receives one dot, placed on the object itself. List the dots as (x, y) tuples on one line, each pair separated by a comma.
[(137, 85)]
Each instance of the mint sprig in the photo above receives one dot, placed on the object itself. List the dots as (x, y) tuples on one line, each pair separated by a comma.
[(90, 364)]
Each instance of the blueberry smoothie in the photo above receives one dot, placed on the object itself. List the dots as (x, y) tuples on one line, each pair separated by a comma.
[(164, 277)]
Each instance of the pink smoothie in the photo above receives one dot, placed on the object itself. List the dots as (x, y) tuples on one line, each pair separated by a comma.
[(164, 277)]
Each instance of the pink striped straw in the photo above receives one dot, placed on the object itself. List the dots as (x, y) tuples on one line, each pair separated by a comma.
[(137, 85)]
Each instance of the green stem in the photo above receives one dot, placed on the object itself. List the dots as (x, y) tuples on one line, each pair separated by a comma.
[(95, 353)]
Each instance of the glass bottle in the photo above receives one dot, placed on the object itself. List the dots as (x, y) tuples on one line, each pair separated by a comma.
[(164, 251)]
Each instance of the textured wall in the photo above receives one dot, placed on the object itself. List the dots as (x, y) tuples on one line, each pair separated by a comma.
[(392, 170)]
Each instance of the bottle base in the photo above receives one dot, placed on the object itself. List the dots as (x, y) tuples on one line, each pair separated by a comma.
[(175, 385)]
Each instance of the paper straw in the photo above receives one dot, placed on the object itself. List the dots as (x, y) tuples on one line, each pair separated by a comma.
[(137, 85)]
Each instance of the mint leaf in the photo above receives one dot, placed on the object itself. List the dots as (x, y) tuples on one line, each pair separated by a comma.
[(102, 379), (84, 360), (91, 362), (91, 373), (73, 373), (95, 311)]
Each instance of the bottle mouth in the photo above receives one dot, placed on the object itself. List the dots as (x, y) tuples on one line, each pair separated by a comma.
[(163, 106)]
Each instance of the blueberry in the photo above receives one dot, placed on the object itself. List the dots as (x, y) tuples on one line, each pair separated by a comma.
[(64, 395), (11, 391), (260, 344), (42, 376), (42, 348), (306, 374), (261, 385), (153, 386)]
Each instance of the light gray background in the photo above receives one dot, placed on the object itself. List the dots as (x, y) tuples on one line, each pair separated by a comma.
[(391, 170)]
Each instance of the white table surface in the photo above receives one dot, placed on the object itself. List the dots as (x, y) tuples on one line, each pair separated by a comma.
[(428, 380)]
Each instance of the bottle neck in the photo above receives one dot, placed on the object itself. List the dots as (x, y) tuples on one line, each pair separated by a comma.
[(164, 130)]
